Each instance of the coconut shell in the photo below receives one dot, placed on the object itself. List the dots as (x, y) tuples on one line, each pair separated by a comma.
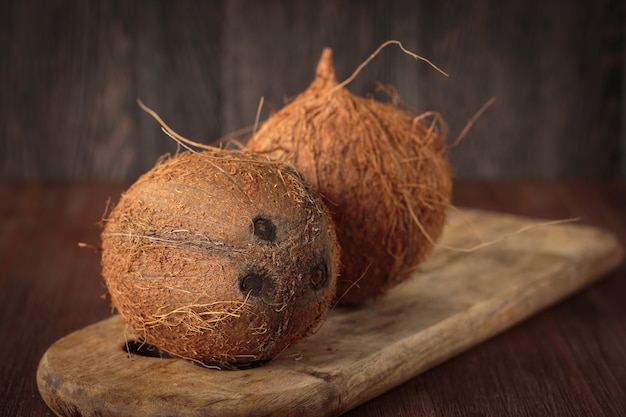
[(221, 257), (383, 171)]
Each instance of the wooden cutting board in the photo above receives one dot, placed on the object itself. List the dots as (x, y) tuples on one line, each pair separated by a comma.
[(457, 300)]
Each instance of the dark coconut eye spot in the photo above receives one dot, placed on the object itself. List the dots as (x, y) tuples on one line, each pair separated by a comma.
[(319, 276), (255, 284), (264, 229)]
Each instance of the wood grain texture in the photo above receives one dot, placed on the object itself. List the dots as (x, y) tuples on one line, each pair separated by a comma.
[(70, 72), (457, 301)]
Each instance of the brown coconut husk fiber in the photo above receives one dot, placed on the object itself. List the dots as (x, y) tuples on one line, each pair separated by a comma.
[(222, 257), (383, 171)]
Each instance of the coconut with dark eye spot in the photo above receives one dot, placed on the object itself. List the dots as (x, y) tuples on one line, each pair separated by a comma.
[(222, 257)]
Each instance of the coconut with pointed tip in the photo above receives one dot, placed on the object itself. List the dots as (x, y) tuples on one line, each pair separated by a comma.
[(383, 171), (222, 257)]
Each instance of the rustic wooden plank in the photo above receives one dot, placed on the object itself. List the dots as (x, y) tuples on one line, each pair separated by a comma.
[(70, 75), (458, 300), (70, 72), (529, 55)]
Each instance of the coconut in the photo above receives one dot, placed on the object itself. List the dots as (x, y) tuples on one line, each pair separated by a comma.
[(383, 171), (221, 257)]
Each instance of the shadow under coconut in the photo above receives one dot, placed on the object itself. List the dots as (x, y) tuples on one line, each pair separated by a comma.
[(147, 350)]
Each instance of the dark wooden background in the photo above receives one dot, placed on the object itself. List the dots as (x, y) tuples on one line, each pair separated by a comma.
[(70, 72)]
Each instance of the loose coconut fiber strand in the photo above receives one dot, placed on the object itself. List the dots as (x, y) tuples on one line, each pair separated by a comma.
[(383, 171)]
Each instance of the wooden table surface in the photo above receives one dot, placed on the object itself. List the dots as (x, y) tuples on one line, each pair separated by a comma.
[(569, 360)]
